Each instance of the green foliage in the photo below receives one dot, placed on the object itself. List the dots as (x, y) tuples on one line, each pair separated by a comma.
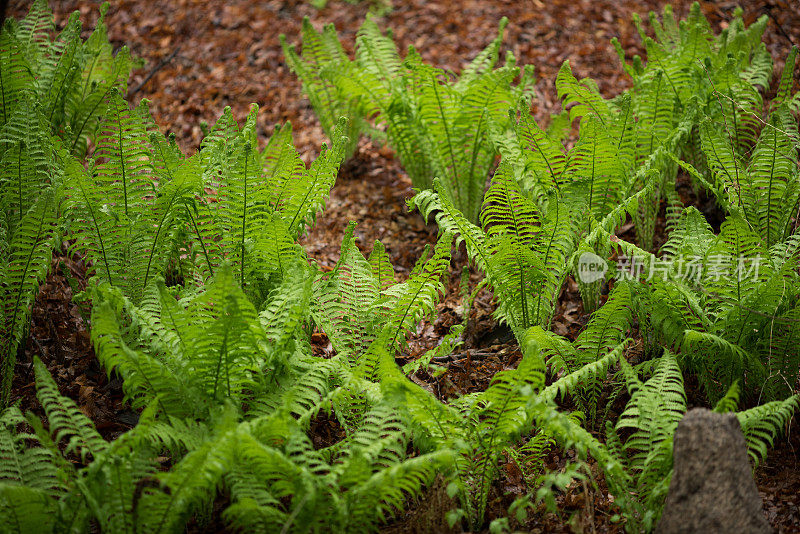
[(637, 455), (50, 91), (582, 364), (123, 224), (522, 250), (478, 426), (204, 302), (765, 190), (438, 127), (69, 78), (322, 61), (141, 201), (259, 202), (483, 427), (727, 304), (29, 196)]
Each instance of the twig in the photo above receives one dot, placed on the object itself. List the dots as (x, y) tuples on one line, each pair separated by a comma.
[(769, 7), (163, 63), (58, 355)]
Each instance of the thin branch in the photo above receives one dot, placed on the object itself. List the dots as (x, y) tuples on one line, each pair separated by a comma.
[(163, 63), (788, 37)]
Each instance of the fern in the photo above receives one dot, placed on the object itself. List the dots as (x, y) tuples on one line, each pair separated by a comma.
[(68, 77), (585, 361), (518, 248), (637, 456), (209, 349), (765, 190), (349, 306), (322, 62), (121, 225), (440, 129), (260, 202), (28, 249), (761, 424)]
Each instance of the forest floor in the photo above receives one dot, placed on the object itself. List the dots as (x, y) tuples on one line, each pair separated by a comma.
[(202, 56)]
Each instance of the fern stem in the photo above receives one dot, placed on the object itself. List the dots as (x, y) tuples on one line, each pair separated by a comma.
[(244, 208), (476, 142), (200, 238), (3, 95), (122, 161), (591, 183), (19, 182), (9, 356), (769, 188), (63, 84), (545, 158), (90, 206), (405, 312), (86, 120), (544, 263), (155, 238), (440, 107), (223, 353)]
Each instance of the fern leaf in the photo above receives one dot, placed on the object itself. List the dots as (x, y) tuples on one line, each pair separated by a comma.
[(65, 419), (29, 253), (761, 424)]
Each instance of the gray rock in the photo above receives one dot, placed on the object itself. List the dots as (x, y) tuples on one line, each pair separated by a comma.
[(712, 488)]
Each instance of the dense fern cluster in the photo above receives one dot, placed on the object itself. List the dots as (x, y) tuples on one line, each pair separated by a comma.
[(53, 92), (204, 303), (439, 127)]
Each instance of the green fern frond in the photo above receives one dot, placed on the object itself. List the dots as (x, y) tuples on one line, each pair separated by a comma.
[(446, 346), (418, 296), (28, 258), (23, 465), (322, 62), (449, 219), (761, 424), (122, 160), (145, 377), (167, 504), (582, 97), (588, 373), (730, 402), (27, 509), (65, 419), (347, 305)]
